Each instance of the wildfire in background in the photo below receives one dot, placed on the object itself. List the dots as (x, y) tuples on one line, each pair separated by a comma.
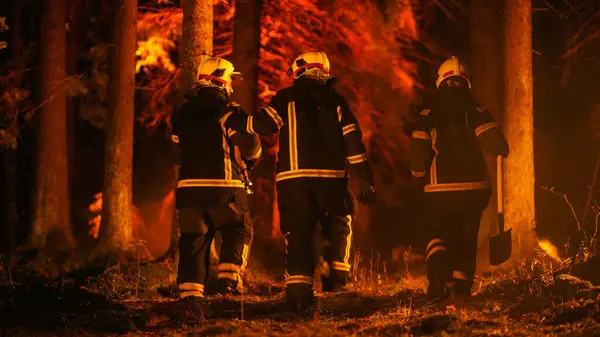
[(371, 52)]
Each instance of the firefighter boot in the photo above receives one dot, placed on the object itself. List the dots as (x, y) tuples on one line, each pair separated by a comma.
[(461, 288), (439, 276), (300, 298), (230, 287), (192, 306), (334, 281)]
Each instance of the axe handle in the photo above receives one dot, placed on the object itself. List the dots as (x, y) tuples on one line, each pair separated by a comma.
[(500, 190)]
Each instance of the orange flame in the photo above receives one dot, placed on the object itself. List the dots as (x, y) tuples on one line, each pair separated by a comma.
[(550, 249)]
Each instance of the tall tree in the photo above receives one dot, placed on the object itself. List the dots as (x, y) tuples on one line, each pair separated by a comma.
[(246, 50), (116, 231), (518, 127), (51, 209), (196, 40), (487, 64)]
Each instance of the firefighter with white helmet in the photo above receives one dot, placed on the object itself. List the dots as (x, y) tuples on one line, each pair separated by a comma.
[(211, 193), (318, 135), (453, 68), (446, 156), (217, 72)]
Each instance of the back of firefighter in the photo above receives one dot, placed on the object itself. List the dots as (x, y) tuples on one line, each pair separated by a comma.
[(318, 134), (446, 154), (211, 195)]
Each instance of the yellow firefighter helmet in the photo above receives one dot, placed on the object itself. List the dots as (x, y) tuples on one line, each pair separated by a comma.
[(452, 67), (314, 61), (217, 72)]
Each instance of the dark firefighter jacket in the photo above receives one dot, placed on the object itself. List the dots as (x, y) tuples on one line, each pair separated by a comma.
[(318, 132), (447, 152), (208, 167)]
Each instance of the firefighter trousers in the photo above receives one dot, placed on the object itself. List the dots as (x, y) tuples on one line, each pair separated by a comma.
[(303, 204), (453, 220), (198, 227)]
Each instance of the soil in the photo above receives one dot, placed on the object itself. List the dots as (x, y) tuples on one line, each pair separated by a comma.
[(141, 300)]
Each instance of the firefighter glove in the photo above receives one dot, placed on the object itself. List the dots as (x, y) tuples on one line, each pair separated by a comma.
[(366, 194)]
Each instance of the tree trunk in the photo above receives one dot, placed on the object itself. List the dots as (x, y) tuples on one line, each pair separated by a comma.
[(246, 50), (487, 82), (51, 209), (196, 40), (518, 128), (116, 231), (73, 39)]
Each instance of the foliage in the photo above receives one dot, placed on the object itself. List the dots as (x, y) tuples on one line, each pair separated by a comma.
[(15, 102), (3, 28)]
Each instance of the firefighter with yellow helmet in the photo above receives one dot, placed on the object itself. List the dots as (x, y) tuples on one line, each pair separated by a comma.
[(446, 156), (211, 193), (318, 135)]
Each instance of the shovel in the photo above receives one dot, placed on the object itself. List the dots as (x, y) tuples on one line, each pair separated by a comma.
[(500, 245)]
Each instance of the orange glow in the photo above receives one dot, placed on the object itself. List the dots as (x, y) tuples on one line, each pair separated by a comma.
[(367, 49), (151, 222), (550, 250)]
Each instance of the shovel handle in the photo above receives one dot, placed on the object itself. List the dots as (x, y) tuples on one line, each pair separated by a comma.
[(500, 183)]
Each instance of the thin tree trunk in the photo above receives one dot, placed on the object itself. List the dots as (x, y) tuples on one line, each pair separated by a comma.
[(196, 40), (116, 231), (10, 200), (487, 81), (518, 128), (246, 51), (51, 210)]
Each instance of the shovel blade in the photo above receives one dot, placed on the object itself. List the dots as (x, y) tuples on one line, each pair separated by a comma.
[(500, 248)]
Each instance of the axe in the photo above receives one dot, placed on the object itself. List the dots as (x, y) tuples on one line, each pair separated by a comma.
[(501, 244)]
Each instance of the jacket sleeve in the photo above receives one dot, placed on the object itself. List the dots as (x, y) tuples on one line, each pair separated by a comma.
[(233, 125), (488, 132), (175, 139), (356, 152), (420, 152), (266, 122), (249, 145)]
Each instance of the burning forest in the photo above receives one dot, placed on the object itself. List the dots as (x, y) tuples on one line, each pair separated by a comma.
[(299, 168)]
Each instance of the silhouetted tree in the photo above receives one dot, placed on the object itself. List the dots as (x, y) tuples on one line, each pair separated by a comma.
[(51, 207), (116, 232), (518, 127)]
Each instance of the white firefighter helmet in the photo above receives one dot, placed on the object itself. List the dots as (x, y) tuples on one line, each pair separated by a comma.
[(313, 61), (450, 68), (216, 72)]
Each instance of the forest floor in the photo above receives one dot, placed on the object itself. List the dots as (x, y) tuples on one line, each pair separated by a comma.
[(140, 300)]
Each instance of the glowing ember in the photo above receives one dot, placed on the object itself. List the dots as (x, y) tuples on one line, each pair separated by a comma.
[(550, 250)]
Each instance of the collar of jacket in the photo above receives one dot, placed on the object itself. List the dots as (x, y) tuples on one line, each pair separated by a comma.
[(208, 98), (306, 80)]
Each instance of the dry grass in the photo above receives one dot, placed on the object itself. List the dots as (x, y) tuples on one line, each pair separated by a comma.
[(139, 300)]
